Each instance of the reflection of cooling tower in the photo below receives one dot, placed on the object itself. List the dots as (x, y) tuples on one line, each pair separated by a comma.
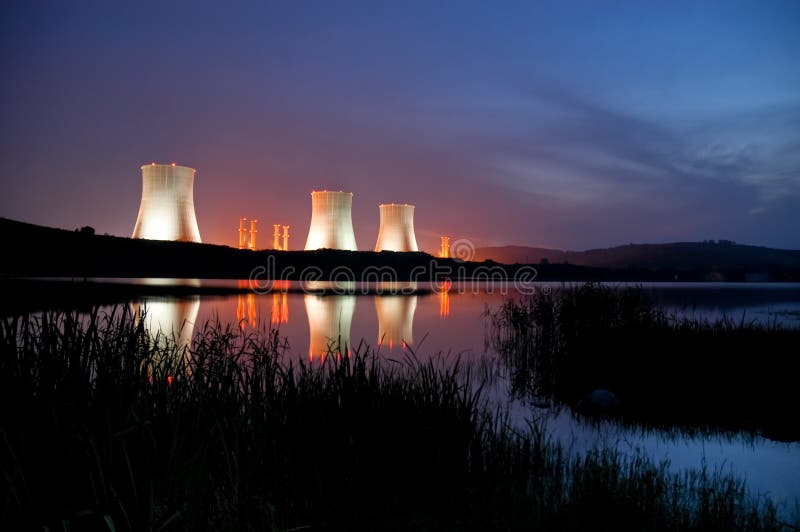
[(397, 228), (331, 221), (329, 319), (395, 319), (170, 319), (167, 208)]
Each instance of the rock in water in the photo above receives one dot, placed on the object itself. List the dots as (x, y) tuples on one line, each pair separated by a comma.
[(599, 401)]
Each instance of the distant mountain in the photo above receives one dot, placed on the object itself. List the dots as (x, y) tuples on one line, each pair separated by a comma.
[(680, 255)]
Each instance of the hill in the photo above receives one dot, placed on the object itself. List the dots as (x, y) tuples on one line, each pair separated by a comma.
[(36, 251), (681, 256)]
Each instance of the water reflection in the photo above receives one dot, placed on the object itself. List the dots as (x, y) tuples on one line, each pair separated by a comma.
[(246, 312), (337, 286), (329, 319), (169, 320), (396, 287), (280, 303), (395, 319), (167, 281), (444, 299)]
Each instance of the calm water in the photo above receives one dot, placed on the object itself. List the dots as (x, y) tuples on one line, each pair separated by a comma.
[(454, 322)]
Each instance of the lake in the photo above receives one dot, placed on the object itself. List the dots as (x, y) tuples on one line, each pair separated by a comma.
[(453, 322)]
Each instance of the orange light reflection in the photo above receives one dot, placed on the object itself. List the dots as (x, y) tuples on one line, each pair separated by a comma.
[(444, 299)]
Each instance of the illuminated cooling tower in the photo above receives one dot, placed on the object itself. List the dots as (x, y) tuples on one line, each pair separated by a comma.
[(167, 208), (331, 221), (397, 228), (329, 319), (395, 319)]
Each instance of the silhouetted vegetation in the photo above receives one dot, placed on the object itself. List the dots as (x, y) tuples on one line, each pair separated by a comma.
[(613, 351), (42, 251), (107, 427)]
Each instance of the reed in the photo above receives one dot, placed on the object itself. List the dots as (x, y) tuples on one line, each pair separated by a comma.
[(106, 427), (666, 371)]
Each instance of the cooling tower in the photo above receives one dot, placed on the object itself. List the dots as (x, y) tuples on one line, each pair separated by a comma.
[(329, 319), (397, 228), (395, 319), (167, 208), (331, 221)]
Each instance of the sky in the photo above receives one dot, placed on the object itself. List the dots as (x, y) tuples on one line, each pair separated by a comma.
[(569, 125)]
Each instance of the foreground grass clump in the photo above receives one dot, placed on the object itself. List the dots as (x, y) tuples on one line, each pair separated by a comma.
[(105, 427), (666, 371)]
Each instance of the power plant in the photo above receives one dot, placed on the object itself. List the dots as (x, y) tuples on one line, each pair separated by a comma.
[(167, 212), (397, 228), (331, 221), (167, 208)]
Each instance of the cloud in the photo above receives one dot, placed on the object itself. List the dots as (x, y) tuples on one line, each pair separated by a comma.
[(582, 150)]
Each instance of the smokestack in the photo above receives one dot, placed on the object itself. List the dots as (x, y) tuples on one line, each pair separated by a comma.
[(276, 236), (444, 252), (253, 232), (242, 232), (331, 221), (167, 208), (286, 238), (397, 228)]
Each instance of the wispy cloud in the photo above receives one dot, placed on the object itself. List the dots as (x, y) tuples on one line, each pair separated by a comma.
[(586, 152)]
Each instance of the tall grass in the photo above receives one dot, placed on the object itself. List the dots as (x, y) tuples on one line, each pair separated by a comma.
[(105, 427), (665, 370)]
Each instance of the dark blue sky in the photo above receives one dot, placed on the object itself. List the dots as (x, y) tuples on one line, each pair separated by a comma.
[(564, 124)]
